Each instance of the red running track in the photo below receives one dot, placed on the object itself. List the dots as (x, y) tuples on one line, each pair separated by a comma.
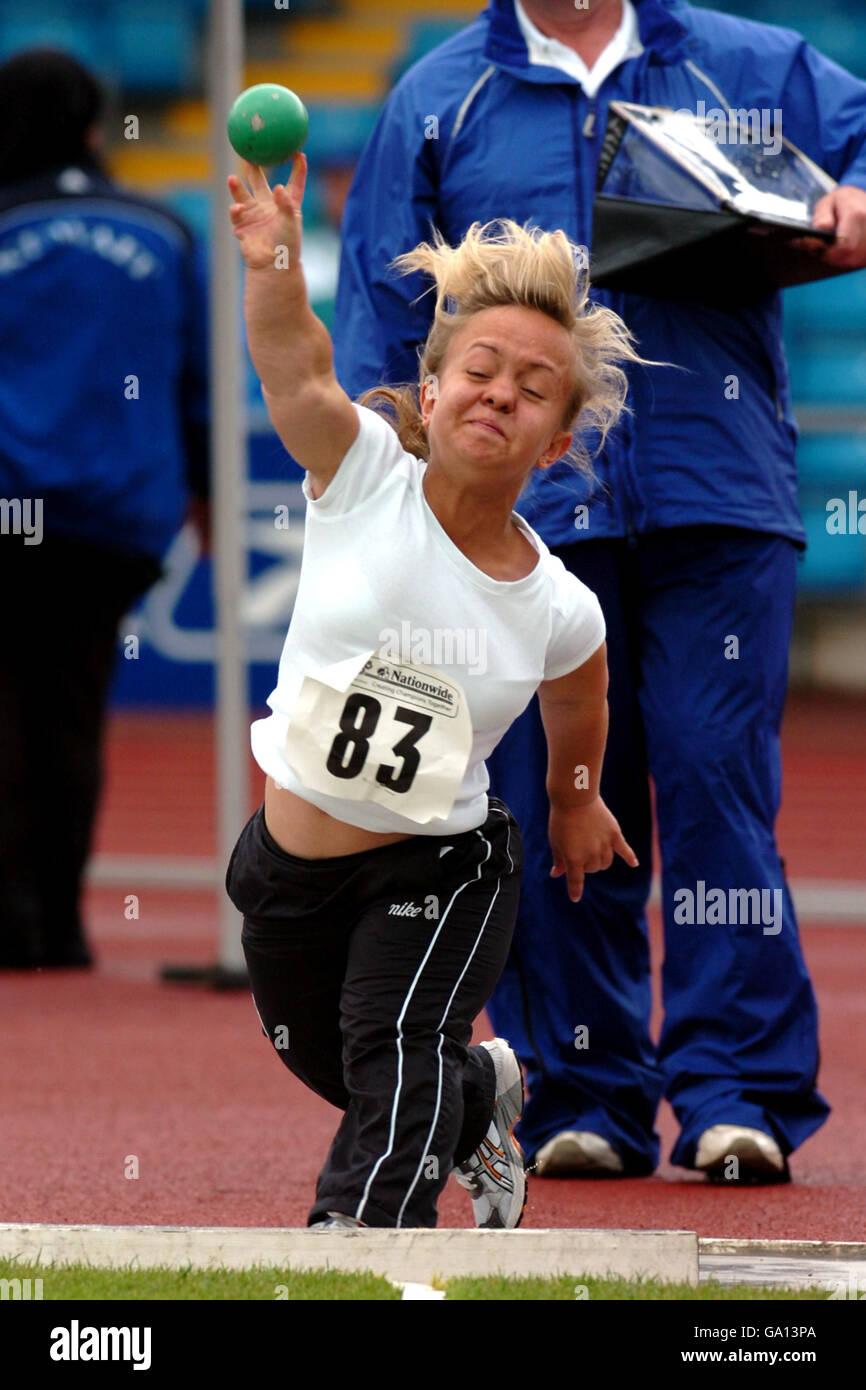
[(106, 1064)]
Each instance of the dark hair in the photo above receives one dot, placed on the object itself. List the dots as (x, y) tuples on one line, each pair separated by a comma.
[(48, 102)]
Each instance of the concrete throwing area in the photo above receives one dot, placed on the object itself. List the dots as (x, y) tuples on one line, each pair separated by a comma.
[(415, 1257), (412, 1256)]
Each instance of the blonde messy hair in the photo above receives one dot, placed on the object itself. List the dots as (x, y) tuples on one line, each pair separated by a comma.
[(502, 263)]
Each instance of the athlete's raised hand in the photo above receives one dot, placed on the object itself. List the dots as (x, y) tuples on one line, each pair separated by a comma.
[(267, 222)]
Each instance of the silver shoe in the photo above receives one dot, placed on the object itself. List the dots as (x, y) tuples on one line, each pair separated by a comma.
[(494, 1174)]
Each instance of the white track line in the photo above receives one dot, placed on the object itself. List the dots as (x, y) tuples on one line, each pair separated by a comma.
[(828, 900), (819, 901), (179, 872)]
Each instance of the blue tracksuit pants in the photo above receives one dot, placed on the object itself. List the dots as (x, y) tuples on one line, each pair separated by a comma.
[(699, 622)]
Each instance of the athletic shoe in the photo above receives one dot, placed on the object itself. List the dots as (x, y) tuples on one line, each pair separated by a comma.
[(336, 1221), (577, 1154), (494, 1174), (759, 1158)]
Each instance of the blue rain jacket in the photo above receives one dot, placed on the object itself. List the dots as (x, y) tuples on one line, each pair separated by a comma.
[(97, 287), (473, 132)]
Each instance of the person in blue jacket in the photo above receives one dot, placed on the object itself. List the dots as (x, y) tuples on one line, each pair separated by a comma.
[(688, 534), (103, 440)]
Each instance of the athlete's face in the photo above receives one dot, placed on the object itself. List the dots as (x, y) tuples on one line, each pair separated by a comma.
[(498, 402)]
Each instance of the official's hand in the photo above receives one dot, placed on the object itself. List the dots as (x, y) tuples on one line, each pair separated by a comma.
[(842, 210), (265, 219), (585, 839)]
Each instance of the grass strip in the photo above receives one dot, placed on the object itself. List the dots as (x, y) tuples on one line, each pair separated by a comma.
[(70, 1283)]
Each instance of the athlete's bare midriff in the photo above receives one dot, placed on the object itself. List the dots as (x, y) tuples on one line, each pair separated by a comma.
[(310, 833)]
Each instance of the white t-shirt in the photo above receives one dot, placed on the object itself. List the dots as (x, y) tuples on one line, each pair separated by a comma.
[(552, 53), (434, 657)]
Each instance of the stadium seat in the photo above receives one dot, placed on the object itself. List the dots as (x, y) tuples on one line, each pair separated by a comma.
[(841, 37), (830, 375), (424, 35), (339, 130), (154, 49), (827, 306), (256, 8), (427, 34), (787, 13), (831, 564), (837, 30), (194, 206), (52, 25), (837, 461), (294, 6)]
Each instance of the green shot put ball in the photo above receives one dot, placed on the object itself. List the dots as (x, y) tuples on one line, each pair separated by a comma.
[(267, 124)]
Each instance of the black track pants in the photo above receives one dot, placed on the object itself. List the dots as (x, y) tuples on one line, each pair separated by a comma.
[(367, 971), (62, 601)]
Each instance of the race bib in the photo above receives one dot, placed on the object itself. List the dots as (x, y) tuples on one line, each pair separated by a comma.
[(391, 732)]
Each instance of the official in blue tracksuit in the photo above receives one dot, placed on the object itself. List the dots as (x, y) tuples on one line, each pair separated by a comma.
[(688, 533), (103, 444)]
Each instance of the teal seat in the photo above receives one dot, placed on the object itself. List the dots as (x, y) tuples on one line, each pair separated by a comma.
[(50, 25), (155, 47), (841, 37), (791, 14), (424, 36), (339, 130), (827, 306), (314, 7), (836, 30), (831, 564), (427, 34), (194, 206), (830, 375), (835, 461)]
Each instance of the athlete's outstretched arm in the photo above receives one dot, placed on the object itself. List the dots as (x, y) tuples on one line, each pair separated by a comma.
[(584, 836), (290, 348)]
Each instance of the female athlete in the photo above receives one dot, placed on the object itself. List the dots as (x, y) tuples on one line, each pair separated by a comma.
[(378, 882)]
